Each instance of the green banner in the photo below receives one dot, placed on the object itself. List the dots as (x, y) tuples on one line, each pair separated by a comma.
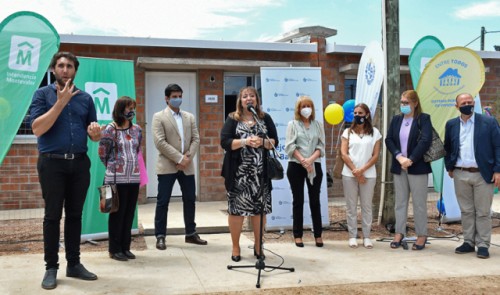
[(423, 51), (27, 43), (105, 80)]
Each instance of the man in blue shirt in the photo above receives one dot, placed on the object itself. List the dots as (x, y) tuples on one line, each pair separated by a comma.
[(62, 117), (472, 144)]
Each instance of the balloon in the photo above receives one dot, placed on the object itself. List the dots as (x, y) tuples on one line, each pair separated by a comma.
[(348, 107), (334, 114)]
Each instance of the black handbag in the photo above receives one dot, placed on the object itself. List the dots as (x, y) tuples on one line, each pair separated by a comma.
[(274, 167), (436, 151), (108, 193)]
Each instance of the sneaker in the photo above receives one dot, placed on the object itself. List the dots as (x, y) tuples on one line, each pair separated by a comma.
[(353, 243), (367, 243), (482, 252), (465, 248)]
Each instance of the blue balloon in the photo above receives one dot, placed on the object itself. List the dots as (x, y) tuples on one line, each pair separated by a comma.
[(348, 107)]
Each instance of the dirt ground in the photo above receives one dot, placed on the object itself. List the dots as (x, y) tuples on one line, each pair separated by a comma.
[(25, 237)]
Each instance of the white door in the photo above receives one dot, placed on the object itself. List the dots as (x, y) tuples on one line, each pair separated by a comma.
[(156, 82)]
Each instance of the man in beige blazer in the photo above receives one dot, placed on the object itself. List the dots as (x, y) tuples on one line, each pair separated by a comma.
[(177, 140)]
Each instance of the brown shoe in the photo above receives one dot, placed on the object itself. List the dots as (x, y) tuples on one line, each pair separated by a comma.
[(195, 239), (160, 243)]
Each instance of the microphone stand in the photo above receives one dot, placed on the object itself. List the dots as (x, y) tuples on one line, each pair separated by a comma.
[(260, 264)]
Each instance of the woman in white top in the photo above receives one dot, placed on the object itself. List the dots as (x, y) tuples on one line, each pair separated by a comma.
[(360, 149), (305, 144)]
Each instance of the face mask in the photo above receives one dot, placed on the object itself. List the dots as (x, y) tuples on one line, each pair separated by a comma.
[(466, 110), (306, 112), (359, 119), (175, 102), (405, 109), (130, 115)]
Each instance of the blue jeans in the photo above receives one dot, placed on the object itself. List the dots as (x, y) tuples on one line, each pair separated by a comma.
[(165, 185)]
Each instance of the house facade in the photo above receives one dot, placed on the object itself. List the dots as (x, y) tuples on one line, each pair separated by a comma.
[(211, 73)]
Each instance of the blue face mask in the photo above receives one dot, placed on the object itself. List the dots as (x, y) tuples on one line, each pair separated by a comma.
[(359, 119), (175, 102), (405, 109)]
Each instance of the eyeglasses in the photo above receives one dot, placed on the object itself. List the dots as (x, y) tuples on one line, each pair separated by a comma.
[(405, 103)]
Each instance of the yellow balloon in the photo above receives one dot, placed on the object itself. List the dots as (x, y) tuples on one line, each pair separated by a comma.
[(334, 114)]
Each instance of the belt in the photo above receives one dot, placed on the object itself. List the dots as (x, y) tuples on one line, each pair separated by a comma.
[(468, 169), (63, 156)]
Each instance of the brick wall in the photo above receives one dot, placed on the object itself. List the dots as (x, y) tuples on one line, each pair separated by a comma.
[(19, 186)]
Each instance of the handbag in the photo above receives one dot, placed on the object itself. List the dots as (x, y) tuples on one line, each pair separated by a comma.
[(339, 162), (274, 167), (108, 193), (436, 150)]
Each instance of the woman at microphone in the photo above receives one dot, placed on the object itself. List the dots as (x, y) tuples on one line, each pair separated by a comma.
[(305, 144), (246, 148)]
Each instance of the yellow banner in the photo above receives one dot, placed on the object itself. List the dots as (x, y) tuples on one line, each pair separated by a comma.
[(451, 72)]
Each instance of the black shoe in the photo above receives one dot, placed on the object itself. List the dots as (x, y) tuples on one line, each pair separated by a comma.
[(160, 243), (257, 256), (236, 258), (118, 256), (465, 248), (49, 281), (482, 252), (299, 244), (129, 254), (79, 271), (195, 239), (318, 244)]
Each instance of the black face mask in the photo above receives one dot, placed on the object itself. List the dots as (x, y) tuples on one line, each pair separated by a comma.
[(130, 115), (359, 119), (466, 110)]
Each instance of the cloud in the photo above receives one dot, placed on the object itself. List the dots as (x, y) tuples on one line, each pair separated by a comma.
[(478, 10), (186, 19)]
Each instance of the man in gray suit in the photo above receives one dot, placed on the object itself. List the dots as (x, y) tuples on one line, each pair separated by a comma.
[(176, 137)]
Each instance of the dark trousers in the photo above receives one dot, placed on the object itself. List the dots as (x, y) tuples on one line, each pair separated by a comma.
[(165, 185), (64, 184), (297, 175), (120, 222)]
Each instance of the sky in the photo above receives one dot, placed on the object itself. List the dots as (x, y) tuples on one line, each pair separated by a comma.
[(358, 22)]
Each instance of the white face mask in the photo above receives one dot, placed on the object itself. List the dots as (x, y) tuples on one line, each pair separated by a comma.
[(306, 112)]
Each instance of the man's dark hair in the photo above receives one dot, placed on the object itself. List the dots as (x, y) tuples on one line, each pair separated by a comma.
[(172, 88), (119, 109), (67, 55)]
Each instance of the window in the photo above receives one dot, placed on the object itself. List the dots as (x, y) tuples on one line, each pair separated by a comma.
[(25, 128), (349, 89), (232, 85)]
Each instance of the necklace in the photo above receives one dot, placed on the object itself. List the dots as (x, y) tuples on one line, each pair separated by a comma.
[(407, 121)]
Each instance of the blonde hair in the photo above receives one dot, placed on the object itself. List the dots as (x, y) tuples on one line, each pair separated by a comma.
[(298, 103), (412, 95)]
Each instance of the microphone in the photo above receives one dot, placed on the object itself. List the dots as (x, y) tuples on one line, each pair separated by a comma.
[(251, 109)]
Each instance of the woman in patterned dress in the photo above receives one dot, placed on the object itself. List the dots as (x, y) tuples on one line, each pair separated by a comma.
[(127, 137), (246, 150)]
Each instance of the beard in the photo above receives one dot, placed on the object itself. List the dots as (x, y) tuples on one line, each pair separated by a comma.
[(61, 81)]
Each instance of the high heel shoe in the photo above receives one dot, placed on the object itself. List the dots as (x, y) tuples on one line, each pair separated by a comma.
[(396, 244), (319, 244), (299, 244), (257, 256), (419, 247), (236, 258)]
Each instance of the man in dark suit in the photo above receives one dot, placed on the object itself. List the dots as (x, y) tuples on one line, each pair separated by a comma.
[(472, 144)]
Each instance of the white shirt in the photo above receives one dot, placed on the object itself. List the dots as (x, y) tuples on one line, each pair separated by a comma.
[(178, 120), (466, 156), (361, 151)]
